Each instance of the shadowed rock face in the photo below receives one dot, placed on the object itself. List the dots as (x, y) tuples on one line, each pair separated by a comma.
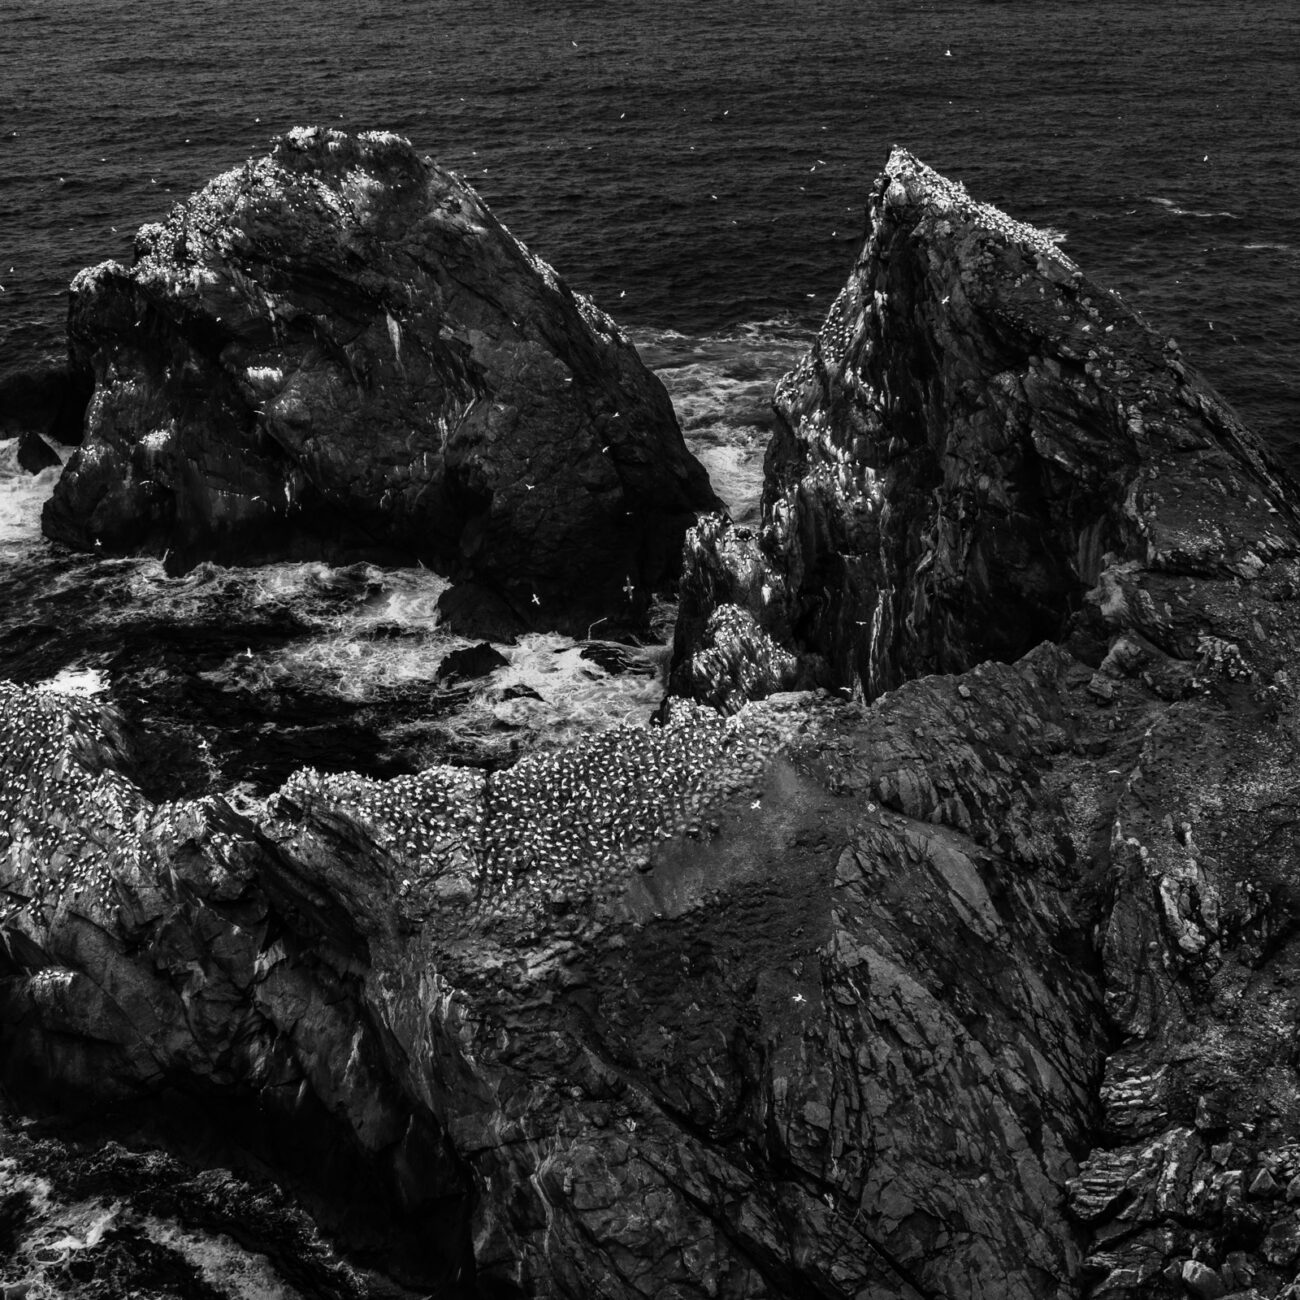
[(683, 1011), (974, 431), (336, 351), (985, 987), (983, 449)]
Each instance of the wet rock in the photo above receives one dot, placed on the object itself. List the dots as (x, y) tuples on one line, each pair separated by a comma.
[(35, 454), (92, 1221), (336, 351), (470, 663)]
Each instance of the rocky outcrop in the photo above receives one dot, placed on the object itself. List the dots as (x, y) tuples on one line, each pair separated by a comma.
[(336, 351), (787, 1004), (976, 428), (982, 450), (973, 984)]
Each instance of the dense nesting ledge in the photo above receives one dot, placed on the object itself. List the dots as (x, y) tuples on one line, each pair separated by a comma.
[(974, 975)]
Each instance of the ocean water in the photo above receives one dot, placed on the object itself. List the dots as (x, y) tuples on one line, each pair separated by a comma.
[(703, 167), (701, 171)]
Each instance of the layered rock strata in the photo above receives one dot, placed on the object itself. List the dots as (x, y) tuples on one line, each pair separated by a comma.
[(984, 449), (975, 429), (336, 351), (982, 987), (786, 1004)]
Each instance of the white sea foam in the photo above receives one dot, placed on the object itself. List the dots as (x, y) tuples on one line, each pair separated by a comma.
[(737, 477), (21, 497), (76, 681), (577, 695), (721, 387), (226, 1266), (1289, 251), (1174, 210)]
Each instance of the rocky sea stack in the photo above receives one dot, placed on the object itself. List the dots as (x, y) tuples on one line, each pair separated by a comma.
[(337, 352), (975, 976)]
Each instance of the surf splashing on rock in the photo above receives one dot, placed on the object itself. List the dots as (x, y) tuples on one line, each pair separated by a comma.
[(21, 497), (253, 672)]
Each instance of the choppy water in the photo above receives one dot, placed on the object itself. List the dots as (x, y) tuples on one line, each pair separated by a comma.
[(701, 170), (697, 167)]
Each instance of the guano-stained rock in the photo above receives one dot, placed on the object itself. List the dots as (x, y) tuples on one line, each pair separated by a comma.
[(984, 449), (337, 352)]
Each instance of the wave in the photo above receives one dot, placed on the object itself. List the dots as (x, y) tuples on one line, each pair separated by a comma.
[(1175, 211), (21, 497), (721, 386), (1289, 251)]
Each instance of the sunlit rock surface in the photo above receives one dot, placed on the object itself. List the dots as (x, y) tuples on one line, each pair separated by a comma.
[(975, 430), (974, 977), (336, 351), (982, 450)]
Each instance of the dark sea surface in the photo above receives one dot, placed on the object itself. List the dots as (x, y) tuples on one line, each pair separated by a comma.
[(700, 170), (697, 167)]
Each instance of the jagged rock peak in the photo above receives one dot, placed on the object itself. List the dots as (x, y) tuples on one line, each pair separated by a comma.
[(336, 351), (908, 182), (976, 433)]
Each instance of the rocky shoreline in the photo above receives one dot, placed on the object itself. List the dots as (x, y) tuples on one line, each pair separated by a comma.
[(937, 940)]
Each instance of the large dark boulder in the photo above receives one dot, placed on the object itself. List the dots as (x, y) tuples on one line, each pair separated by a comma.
[(336, 351)]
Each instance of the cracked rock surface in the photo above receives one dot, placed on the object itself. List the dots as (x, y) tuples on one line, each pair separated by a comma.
[(336, 351), (973, 975)]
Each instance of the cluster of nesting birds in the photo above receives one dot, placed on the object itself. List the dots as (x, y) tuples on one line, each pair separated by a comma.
[(911, 182), (67, 816), (553, 829), (560, 826), (738, 661)]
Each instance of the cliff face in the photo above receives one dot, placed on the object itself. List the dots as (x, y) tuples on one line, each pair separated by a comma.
[(983, 450), (685, 1011), (984, 987), (336, 351), (973, 432)]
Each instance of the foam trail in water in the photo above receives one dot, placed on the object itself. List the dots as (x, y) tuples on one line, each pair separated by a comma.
[(721, 387), (1172, 208)]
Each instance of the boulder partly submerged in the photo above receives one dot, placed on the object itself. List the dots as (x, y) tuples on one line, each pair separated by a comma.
[(336, 351)]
